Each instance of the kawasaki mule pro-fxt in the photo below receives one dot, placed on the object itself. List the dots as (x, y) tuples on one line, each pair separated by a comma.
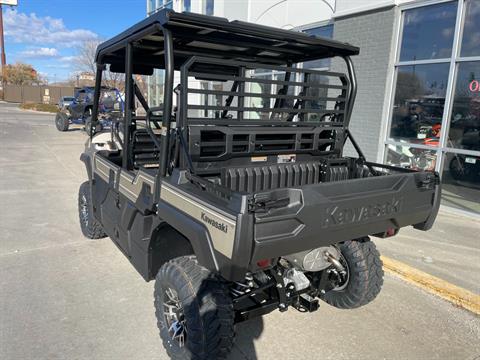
[(234, 195)]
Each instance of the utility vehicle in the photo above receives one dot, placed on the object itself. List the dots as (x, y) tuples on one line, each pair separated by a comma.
[(236, 197), (79, 111)]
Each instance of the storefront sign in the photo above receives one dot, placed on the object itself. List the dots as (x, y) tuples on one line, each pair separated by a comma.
[(474, 86)]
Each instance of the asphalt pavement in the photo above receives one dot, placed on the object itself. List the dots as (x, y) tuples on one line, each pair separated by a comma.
[(65, 297)]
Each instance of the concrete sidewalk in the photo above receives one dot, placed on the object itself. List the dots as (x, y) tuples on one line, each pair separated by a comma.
[(65, 297), (450, 251)]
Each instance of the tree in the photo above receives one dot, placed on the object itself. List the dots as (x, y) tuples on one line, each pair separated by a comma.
[(409, 86), (21, 74), (85, 61)]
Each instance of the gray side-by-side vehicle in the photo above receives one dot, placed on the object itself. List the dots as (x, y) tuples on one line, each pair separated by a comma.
[(234, 194)]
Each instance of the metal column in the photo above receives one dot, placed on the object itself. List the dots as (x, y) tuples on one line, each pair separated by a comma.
[(128, 103), (167, 101)]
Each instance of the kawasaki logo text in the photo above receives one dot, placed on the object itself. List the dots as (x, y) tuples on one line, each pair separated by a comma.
[(336, 215), (220, 226)]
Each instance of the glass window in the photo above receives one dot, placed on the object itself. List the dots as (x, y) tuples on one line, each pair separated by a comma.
[(325, 31), (465, 120), (471, 31), (151, 6), (168, 4), (419, 102), (208, 7), (321, 94), (322, 31), (266, 102), (461, 182), (428, 32), (411, 157), (187, 5)]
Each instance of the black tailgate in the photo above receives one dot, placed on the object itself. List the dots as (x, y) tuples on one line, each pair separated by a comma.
[(296, 219)]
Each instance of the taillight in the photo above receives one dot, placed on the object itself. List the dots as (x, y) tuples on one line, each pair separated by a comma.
[(264, 263)]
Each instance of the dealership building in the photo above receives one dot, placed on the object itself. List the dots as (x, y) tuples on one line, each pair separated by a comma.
[(418, 101)]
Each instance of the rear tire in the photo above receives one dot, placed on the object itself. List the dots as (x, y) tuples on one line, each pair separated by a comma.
[(204, 316), (365, 275), (91, 227), (457, 168), (61, 121)]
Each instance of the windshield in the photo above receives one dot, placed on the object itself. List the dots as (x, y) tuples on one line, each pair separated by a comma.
[(68, 98)]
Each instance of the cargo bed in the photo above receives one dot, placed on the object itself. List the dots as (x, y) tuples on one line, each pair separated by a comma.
[(243, 228)]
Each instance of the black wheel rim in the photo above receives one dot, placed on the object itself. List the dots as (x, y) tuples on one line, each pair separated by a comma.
[(174, 317)]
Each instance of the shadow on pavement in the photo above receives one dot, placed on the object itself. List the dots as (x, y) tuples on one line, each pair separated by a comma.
[(246, 334)]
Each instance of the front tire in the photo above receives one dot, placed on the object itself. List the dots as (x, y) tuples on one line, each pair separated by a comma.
[(61, 121), (194, 311), (365, 275), (91, 227)]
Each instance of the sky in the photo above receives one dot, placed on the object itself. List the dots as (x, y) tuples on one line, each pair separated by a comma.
[(47, 33)]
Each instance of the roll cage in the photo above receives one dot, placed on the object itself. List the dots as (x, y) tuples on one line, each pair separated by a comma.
[(213, 48)]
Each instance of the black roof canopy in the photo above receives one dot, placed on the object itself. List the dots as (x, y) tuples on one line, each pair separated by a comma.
[(195, 34)]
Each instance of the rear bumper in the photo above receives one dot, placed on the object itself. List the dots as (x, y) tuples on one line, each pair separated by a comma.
[(328, 213)]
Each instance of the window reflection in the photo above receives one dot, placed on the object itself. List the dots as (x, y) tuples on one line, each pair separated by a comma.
[(428, 32), (411, 158), (419, 103), (465, 120), (321, 94), (325, 31), (461, 182), (471, 31)]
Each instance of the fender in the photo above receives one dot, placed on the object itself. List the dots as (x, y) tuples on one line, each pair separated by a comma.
[(194, 231), (428, 223), (87, 160)]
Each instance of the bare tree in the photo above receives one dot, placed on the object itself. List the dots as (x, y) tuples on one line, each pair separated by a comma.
[(85, 61), (22, 74)]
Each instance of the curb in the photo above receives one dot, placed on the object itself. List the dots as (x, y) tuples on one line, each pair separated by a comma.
[(452, 293)]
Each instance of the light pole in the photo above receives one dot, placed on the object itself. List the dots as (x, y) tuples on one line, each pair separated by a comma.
[(2, 40), (2, 44)]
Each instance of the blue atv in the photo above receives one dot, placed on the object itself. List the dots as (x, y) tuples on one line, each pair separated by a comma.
[(79, 112)]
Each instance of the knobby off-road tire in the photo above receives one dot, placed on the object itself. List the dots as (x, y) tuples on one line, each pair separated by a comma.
[(91, 228), (61, 121), (365, 275), (206, 310)]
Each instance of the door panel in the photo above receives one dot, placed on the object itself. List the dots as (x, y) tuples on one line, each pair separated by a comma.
[(121, 195)]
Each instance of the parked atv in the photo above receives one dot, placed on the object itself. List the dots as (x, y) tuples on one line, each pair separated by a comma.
[(79, 111), (237, 210)]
